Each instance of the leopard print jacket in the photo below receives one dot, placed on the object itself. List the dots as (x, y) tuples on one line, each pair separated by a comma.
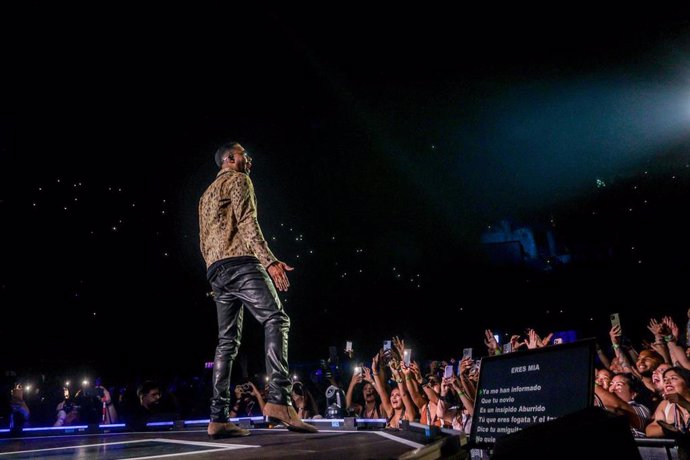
[(228, 224)]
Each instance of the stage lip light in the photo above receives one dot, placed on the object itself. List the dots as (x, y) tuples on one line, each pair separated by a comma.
[(160, 424), (196, 422), (53, 428)]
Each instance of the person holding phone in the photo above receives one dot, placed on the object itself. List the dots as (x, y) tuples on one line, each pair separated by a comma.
[(368, 404), (429, 412), (104, 397), (248, 401), (458, 417), (420, 390), (468, 374), (646, 361), (398, 405)]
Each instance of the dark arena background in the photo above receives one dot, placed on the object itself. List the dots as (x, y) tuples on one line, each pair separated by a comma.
[(430, 172)]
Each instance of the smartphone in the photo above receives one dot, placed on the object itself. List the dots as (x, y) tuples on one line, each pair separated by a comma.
[(387, 345), (498, 338), (507, 348), (466, 353), (478, 364), (333, 354), (558, 341), (358, 370), (407, 356), (615, 320), (348, 345), (448, 372)]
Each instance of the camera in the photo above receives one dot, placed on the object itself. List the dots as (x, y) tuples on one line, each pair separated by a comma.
[(246, 388)]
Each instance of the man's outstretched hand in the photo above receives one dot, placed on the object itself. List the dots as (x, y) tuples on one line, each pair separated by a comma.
[(277, 271)]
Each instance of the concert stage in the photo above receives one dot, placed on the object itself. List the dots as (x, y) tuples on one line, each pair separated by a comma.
[(192, 442)]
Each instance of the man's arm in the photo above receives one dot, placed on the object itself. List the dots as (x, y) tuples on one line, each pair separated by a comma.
[(244, 207)]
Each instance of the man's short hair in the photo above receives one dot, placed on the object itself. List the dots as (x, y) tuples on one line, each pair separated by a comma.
[(146, 387), (221, 151)]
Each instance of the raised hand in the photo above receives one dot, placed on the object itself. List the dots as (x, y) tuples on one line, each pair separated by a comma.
[(465, 365), (490, 341), (106, 395), (515, 342), (367, 377), (399, 345), (375, 362), (405, 369), (615, 334), (255, 391), (545, 341), (395, 370), (356, 378), (654, 327), (673, 327), (394, 365), (446, 385), (414, 367), (533, 340)]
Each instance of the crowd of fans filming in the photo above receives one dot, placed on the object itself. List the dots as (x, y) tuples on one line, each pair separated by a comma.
[(650, 385)]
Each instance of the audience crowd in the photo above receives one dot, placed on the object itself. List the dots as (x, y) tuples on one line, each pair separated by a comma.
[(648, 384)]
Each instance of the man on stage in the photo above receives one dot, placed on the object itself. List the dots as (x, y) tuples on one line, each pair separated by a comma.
[(239, 263)]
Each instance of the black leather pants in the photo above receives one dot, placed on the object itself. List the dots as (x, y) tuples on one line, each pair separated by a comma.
[(235, 287)]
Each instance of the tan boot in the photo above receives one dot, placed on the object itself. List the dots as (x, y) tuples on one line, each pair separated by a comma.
[(219, 430), (287, 416)]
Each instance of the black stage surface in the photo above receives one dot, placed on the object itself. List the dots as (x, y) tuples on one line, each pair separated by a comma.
[(195, 444)]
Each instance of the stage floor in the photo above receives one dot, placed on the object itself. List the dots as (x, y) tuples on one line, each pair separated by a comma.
[(195, 444)]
